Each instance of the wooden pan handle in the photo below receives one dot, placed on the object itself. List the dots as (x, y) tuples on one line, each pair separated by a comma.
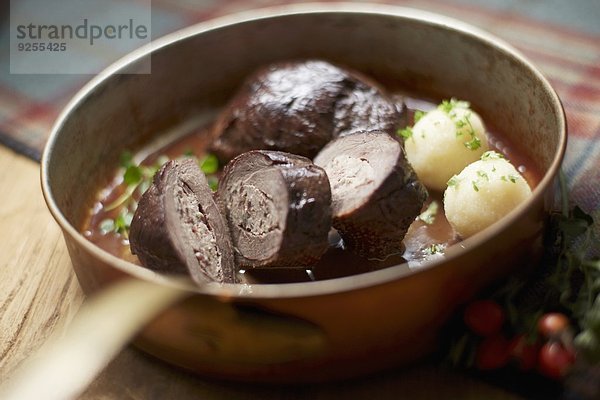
[(68, 363)]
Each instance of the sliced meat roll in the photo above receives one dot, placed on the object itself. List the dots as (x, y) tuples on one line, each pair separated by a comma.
[(375, 193), (278, 206), (299, 107), (178, 228)]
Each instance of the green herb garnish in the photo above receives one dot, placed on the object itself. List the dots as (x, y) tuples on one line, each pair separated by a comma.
[(428, 216), (483, 174), (475, 187), (133, 175), (137, 179), (435, 248), (405, 133), (126, 159), (418, 115), (119, 225), (453, 181), (449, 105), (106, 226), (213, 182), (209, 164), (509, 178), (474, 143), (491, 155), (123, 222)]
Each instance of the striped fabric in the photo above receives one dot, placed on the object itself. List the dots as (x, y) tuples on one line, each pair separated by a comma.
[(569, 56)]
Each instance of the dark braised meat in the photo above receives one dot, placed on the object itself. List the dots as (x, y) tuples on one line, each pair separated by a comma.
[(299, 107), (278, 206), (178, 228), (375, 192)]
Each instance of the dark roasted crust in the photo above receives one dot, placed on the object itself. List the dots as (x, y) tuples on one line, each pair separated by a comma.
[(304, 232), (148, 236), (155, 235), (274, 110), (376, 228)]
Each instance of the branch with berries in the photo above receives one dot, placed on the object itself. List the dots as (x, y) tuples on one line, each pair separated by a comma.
[(548, 322)]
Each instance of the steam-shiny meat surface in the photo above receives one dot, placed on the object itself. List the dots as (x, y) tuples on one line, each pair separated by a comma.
[(298, 107)]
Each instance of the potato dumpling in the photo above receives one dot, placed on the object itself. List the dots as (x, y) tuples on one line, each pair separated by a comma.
[(482, 193), (444, 141)]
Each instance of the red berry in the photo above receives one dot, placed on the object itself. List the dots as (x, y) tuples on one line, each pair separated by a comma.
[(524, 353), (493, 352), (484, 317), (552, 324), (554, 360)]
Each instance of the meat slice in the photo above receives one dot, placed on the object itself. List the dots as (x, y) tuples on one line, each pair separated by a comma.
[(299, 107), (375, 192), (278, 206), (178, 228)]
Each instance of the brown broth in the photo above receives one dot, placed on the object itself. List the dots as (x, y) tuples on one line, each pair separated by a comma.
[(336, 262)]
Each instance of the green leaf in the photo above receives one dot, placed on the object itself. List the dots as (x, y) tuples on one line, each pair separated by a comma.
[(123, 222), (588, 343), (446, 106), (126, 159), (473, 144), (449, 105), (133, 175), (491, 155), (428, 216), (213, 182), (209, 164), (107, 226), (453, 181), (418, 115), (405, 133), (435, 248)]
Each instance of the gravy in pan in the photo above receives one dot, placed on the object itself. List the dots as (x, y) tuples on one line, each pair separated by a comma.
[(423, 242)]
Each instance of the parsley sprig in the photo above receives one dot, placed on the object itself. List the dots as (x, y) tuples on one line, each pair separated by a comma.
[(463, 124), (406, 133), (137, 178), (428, 216), (449, 105)]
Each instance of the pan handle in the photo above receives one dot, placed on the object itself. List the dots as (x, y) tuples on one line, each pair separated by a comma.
[(68, 363)]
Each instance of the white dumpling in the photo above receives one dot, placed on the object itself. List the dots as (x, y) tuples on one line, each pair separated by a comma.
[(482, 193), (444, 141)]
